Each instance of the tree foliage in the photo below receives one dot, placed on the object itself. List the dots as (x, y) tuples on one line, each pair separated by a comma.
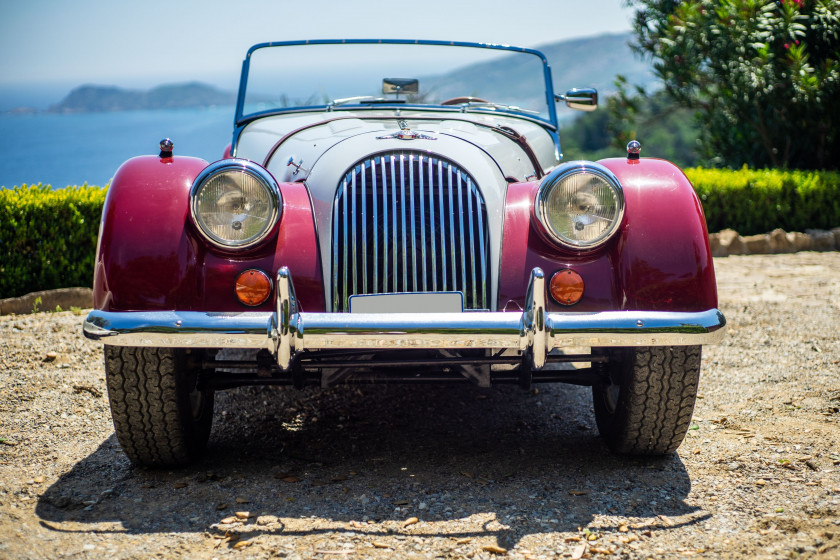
[(763, 75)]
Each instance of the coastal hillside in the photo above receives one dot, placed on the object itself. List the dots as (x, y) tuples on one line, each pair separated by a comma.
[(596, 61), (578, 63)]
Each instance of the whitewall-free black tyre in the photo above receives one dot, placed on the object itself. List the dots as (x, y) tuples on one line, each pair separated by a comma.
[(644, 402), (160, 415)]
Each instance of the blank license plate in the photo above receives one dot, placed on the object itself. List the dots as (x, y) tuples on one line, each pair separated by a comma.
[(437, 302)]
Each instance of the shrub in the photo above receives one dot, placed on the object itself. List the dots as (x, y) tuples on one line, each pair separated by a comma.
[(47, 237), (753, 201)]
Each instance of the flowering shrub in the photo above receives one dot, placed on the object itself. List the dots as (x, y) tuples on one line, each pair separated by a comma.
[(763, 75)]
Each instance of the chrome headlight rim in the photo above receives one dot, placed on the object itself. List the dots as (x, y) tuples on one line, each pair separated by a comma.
[(556, 177), (256, 171)]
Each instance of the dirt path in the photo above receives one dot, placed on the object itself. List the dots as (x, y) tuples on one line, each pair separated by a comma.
[(429, 472)]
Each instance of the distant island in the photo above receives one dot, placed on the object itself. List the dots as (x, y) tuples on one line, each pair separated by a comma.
[(98, 99)]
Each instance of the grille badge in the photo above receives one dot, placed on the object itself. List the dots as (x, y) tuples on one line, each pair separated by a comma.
[(406, 133)]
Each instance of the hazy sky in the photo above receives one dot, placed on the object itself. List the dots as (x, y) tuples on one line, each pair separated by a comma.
[(143, 44)]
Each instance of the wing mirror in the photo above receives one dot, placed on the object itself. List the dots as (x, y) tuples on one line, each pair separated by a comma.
[(581, 99)]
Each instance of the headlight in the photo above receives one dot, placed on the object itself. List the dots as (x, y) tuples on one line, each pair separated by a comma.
[(235, 203), (580, 204)]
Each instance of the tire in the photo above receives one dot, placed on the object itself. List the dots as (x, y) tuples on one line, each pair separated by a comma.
[(160, 416), (644, 402)]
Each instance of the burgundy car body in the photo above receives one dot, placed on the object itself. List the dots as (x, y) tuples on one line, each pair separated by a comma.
[(660, 260)]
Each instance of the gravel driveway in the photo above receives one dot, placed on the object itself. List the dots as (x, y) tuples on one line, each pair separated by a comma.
[(454, 472)]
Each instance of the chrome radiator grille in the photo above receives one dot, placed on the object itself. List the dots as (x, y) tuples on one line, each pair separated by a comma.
[(409, 222)]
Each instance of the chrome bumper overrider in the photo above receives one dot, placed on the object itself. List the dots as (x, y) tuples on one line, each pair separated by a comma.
[(288, 331)]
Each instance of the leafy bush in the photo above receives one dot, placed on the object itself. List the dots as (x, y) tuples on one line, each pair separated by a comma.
[(752, 201), (47, 237), (761, 75)]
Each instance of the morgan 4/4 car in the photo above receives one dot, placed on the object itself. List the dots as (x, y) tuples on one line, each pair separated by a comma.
[(399, 211)]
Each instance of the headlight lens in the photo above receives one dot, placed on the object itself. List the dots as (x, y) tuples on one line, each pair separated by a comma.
[(580, 205), (235, 203)]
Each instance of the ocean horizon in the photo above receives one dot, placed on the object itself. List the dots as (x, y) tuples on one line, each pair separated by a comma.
[(63, 150)]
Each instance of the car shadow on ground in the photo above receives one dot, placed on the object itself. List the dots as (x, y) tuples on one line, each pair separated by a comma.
[(466, 462)]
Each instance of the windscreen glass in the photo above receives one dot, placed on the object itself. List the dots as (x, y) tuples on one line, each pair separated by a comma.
[(353, 75)]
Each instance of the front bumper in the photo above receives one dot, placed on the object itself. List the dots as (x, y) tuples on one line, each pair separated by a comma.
[(288, 331)]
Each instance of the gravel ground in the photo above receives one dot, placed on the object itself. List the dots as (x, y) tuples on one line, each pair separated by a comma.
[(430, 472)]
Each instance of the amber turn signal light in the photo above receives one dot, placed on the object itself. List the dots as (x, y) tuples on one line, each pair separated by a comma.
[(253, 287), (566, 287)]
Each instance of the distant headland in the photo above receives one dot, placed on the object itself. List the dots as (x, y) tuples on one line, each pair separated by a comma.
[(101, 99)]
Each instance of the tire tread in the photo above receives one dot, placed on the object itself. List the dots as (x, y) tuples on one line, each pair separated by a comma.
[(148, 418), (658, 392)]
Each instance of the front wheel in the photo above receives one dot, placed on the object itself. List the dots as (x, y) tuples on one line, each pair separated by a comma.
[(645, 399), (161, 415)]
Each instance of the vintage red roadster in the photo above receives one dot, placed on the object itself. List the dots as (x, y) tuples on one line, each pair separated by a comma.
[(399, 211)]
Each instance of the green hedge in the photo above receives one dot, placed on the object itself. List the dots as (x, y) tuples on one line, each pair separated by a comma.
[(47, 237), (758, 201)]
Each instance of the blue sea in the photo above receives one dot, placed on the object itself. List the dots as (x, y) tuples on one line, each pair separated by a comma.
[(73, 149)]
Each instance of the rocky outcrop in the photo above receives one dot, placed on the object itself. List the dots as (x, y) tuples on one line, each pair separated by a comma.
[(728, 242)]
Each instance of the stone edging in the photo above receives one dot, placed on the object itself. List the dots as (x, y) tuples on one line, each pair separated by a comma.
[(728, 242), (50, 300)]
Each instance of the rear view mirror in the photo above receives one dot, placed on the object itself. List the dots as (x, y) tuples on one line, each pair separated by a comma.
[(400, 85)]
